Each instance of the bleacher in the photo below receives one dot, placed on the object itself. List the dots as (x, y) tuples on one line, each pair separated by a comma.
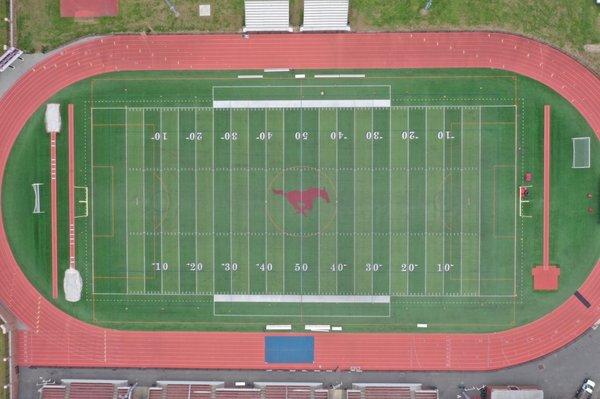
[(238, 393), (53, 392), (85, 389), (391, 391), (119, 389)]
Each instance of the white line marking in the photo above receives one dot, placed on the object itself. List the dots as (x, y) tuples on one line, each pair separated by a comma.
[(426, 199), (390, 207), (178, 208), (354, 266), (337, 205), (372, 206), (407, 200), (230, 206), (479, 205), (196, 200), (461, 195), (444, 199), (283, 207), (161, 203), (266, 124), (319, 202), (144, 190), (248, 192)]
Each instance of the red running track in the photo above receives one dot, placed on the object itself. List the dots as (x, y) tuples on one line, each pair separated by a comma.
[(56, 339)]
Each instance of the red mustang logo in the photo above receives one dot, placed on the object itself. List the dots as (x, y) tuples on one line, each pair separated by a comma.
[(302, 201)]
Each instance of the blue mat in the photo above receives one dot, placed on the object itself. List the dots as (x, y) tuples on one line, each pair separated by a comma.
[(283, 349)]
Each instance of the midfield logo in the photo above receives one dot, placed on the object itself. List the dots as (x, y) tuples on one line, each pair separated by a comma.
[(302, 201)]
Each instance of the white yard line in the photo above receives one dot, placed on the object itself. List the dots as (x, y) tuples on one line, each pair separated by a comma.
[(178, 211), (230, 206), (337, 205), (319, 202), (444, 201), (248, 193), (301, 189), (126, 208), (426, 205), (161, 202), (196, 201), (214, 247), (266, 259), (372, 206), (390, 207), (407, 201), (283, 188), (461, 195), (479, 206), (354, 266), (144, 190)]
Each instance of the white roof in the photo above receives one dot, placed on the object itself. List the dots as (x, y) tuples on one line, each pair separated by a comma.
[(322, 15), (267, 15)]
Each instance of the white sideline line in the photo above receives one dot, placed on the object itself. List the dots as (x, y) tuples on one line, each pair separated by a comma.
[(254, 104), (385, 299), (342, 75), (277, 69), (250, 76)]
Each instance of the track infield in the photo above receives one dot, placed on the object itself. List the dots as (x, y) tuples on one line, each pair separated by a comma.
[(387, 195)]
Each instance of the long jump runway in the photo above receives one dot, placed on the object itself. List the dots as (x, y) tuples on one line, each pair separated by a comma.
[(53, 338)]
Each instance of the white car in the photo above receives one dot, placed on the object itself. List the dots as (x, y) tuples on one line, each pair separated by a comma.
[(587, 388)]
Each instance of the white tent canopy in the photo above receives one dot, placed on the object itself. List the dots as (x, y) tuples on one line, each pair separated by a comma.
[(325, 15), (267, 16)]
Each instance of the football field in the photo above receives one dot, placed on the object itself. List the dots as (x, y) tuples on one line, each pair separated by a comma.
[(379, 200), (258, 198)]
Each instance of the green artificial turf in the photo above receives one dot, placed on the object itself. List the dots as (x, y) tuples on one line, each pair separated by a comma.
[(421, 200)]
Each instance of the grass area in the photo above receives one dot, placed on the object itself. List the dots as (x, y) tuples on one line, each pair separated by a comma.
[(3, 24), (565, 23), (152, 255), (4, 370)]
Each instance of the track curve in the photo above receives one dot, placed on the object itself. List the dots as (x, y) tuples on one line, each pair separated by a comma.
[(54, 338)]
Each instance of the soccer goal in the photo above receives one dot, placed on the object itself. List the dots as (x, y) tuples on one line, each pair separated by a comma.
[(581, 152)]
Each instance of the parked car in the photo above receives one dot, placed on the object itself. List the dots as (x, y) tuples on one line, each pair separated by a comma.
[(587, 388)]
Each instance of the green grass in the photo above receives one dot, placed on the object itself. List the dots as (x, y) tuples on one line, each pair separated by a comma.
[(4, 370), (564, 23), (3, 24), (153, 201)]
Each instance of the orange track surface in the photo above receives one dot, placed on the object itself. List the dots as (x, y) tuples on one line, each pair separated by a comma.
[(56, 339)]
